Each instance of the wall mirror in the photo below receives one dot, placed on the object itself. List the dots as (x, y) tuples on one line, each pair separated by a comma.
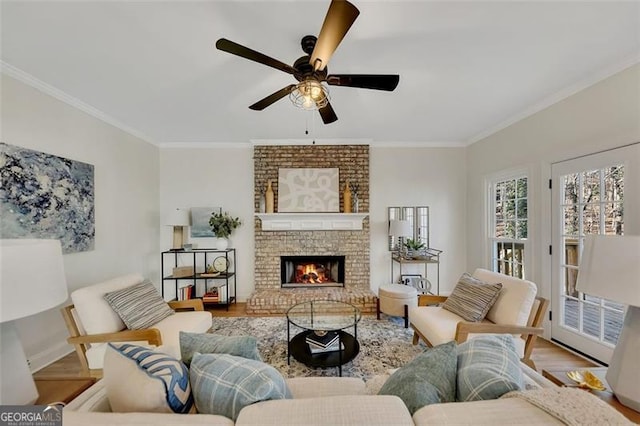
[(418, 218)]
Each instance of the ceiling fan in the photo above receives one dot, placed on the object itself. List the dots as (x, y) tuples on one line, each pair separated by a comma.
[(311, 70)]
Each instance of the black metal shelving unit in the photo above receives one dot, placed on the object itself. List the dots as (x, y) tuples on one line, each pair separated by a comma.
[(200, 258)]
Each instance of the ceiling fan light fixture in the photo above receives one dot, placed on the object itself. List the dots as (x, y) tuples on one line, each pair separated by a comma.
[(310, 94)]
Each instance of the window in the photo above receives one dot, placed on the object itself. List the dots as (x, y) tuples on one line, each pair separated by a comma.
[(508, 215)]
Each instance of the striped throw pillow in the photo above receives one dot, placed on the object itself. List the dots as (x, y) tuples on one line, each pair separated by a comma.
[(139, 306), (472, 298)]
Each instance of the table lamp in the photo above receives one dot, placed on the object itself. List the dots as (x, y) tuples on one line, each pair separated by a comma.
[(32, 280), (400, 229), (178, 218), (610, 268)]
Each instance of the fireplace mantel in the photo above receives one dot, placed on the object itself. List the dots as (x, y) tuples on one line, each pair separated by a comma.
[(311, 221)]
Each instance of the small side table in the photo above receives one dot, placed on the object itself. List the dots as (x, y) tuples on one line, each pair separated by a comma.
[(559, 377)]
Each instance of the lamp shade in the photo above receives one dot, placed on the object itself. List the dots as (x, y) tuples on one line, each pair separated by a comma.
[(32, 277), (610, 268), (400, 228), (178, 217)]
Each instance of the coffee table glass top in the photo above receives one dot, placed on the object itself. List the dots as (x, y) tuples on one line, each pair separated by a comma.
[(323, 315)]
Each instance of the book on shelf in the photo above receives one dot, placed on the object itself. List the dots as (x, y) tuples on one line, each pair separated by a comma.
[(332, 348), (212, 295), (185, 293), (322, 341)]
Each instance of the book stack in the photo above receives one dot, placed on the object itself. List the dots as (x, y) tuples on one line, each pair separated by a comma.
[(185, 293), (211, 296), (326, 343)]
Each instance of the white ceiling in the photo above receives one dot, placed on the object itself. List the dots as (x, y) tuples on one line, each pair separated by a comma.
[(466, 68)]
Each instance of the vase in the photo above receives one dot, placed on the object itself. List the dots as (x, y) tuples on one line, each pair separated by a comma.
[(346, 198), (269, 198), (222, 243)]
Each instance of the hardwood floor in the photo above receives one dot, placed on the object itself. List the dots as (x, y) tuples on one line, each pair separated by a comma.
[(546, 354)]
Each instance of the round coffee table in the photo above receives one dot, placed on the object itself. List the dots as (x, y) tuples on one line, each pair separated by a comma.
[(317, 318)]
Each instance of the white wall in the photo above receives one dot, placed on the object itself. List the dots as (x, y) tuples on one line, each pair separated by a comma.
[(432, 177), (603, 116), (212, 177), (126, 199), (223, 177)]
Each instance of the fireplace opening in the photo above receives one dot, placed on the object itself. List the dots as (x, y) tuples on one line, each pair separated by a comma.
[(312, 271)]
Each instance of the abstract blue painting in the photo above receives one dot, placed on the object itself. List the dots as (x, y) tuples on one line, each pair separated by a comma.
[(45, 196)]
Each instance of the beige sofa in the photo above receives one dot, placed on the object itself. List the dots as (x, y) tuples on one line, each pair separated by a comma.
[(326, 401)]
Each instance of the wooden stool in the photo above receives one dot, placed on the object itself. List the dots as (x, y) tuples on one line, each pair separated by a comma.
[(395, 300)]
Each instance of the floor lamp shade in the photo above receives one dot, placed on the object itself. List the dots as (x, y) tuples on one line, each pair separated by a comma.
[(610, 268), (32, 280), (178, 218)]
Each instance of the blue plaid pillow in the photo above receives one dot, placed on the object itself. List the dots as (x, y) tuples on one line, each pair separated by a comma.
[(225, 384), (488, 367), (165, 380)]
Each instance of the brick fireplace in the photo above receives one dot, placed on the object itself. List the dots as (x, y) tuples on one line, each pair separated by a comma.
[(352, 244)]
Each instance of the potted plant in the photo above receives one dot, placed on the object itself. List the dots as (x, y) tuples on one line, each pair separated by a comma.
[(413, 247), (222, 224)]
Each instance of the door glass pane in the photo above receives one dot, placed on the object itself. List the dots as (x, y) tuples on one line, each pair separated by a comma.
[(522, 188), (571, 313), (591, 324), (510, 228), (612, 325), (571, 223), (571, 251), (521, 229), (613, 224), (591, 219), (591, 186), (570, 189), (613, 183)]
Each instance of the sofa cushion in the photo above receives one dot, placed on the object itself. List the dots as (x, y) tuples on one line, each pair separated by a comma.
[(206, 343), (77, 418), (436, 324), (170, 327), (488, 367), (225, 384), (138, 379), (312, 387), (472, 298), (140, 306), (429, 378), (370, 410), (515, 300), (94, 312), (492, 412)]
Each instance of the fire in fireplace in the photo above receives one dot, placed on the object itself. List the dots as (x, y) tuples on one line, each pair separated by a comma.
[(312, 271)]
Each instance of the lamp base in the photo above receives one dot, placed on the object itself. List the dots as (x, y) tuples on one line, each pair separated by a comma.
[(178, 238), (16, 382), (623, 374)]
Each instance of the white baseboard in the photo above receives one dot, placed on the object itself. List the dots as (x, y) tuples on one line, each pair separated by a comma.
[(42, 359)]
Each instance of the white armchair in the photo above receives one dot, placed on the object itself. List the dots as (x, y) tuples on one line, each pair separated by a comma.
[(92, 323), (517, 311)]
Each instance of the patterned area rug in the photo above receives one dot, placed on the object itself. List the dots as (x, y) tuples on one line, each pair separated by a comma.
[(384, 344)]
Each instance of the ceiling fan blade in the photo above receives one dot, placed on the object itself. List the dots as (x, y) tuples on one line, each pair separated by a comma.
[(365, 81), (263, 103), (340, 16), (239, 50), (328, 114)]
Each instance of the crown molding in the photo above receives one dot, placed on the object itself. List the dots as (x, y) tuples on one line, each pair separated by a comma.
[(60, 95), (204, 145), (559, 96), (416, 144), (310, 141)]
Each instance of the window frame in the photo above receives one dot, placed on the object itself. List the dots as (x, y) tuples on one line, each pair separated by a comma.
[(492, 257)]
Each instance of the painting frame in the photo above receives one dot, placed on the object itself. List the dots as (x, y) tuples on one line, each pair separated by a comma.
[(47, 196), (200, 222), (309, 190)]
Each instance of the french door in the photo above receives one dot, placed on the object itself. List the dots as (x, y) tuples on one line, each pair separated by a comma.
[(595, 194)]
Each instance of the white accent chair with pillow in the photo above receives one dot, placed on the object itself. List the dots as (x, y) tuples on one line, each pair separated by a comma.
[(140, 315), (514, 309)]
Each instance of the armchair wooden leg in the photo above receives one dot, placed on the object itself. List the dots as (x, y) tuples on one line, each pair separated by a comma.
[(406, 316), (377, 307), (416, 338)]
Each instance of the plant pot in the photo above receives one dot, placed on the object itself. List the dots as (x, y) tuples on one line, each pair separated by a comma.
[(222, 243)]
